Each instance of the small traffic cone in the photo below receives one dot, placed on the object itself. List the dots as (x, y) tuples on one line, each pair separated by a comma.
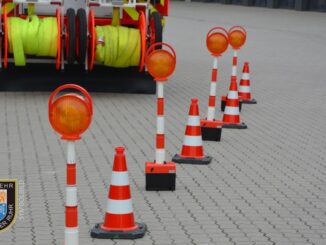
[(244, 88), (119, 218), (231, 117), (192, 149)]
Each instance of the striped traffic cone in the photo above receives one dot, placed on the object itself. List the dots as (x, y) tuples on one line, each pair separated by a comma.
[(244, 88), (192, 149), (231, 117), (119, 218)]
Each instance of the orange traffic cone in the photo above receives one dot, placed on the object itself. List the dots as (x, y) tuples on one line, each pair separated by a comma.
[(231, 117), (244, 88), (192, 149), (119, 218)]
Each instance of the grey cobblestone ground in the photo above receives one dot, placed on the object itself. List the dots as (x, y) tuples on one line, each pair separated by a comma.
[(266, 184)]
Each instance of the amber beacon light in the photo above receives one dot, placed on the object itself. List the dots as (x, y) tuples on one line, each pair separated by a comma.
[(70, 114)]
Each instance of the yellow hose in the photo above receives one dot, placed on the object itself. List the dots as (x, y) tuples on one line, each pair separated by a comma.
[(32, 36), (118, 46)]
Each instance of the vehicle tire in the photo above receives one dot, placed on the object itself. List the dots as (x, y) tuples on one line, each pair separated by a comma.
[(81, 46), (71, 36)]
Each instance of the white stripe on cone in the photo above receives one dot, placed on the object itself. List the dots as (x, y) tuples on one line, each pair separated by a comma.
[(160, 124), (231, 110), (192, 140), (233, 95), (244, 89), (71, 236), (160, 156), (245, 76), (71, 196), (193, 121), (213, 89), (119, 178), (119, 206)]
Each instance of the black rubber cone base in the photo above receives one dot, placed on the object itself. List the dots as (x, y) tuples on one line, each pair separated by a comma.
[(188, 160), (211, 134), (235, 126), (252, 101), (139, 232)]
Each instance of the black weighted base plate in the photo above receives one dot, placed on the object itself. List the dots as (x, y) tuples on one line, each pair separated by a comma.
[(211, 134), (44, 77), (252, 101), (160, 182), (98, 232), (235, 126), (188, 160)]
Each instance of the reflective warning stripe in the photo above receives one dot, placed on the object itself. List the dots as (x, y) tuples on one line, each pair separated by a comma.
[(71, 196), (71, 236), (119, 178), (160, 156), (193, 121), (234, 70), (244, 89), (119, 206), (233, 95), (231, 110), (71, 155), (159, 89), (245, 76), (192, 140), (213, 89), (160, 125), (210, 113)]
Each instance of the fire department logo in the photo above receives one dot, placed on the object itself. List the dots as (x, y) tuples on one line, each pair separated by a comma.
[(8, 203)]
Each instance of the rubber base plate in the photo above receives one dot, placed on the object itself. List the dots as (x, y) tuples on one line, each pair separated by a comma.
[(98, 232), (188, 160), (252, 101), (235, 126)]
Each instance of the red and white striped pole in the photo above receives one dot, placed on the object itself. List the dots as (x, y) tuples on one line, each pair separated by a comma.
[(160, 137), (161, 62), (212, 94), (71, 227)]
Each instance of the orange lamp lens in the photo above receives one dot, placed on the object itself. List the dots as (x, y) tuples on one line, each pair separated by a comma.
[(237, 39), (217, 43), (70, 116), (160, 64)]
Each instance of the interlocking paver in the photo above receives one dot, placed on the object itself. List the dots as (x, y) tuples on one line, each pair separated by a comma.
[(266, 184)]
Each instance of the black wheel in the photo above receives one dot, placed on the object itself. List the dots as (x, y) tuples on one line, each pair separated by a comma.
[(81, 47), (155, 29), (71, 36)]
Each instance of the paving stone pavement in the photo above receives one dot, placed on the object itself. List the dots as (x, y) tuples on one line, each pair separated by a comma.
[(266, 184)]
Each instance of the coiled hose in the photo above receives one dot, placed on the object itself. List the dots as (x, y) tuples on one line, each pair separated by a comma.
[(32, 36), (118, 46)]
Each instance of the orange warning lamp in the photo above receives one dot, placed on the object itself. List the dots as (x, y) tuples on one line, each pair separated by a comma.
[(70, 114), (237, 36), (217, 41), (160, 62)]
